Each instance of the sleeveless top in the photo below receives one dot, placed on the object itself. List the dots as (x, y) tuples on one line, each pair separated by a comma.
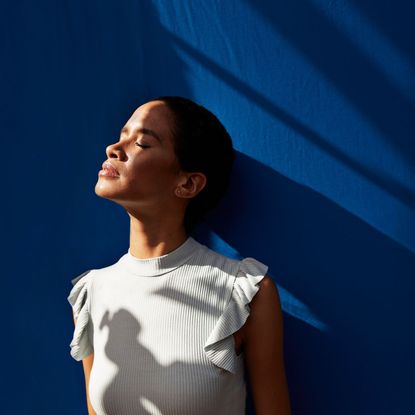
[(161, 330)]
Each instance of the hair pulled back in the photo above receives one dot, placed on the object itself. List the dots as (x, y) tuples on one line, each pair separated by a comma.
[(201, 144)]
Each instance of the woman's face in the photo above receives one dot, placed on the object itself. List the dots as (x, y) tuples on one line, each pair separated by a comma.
[(148, 171)]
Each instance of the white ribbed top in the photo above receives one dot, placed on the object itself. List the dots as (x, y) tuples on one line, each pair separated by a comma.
[(161, 330)]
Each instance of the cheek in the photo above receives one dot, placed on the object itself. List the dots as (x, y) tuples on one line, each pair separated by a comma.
[(155, 170)]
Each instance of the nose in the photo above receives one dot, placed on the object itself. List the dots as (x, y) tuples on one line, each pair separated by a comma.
[(114, 151)]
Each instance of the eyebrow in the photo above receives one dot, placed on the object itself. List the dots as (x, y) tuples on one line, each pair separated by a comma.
[(142, 130)]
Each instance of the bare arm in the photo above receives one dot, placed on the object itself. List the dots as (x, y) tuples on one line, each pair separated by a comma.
[(263, 349), (87, 364)]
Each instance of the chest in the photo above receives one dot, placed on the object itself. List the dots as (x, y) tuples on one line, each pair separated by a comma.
[(171, 317), (148, 338)]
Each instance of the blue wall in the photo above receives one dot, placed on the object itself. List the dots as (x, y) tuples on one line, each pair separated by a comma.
[(319, 98)]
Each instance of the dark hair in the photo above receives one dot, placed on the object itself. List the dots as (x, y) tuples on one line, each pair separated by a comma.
[(201, 144)]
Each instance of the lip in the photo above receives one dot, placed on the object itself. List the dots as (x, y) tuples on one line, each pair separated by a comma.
[(108, 169)]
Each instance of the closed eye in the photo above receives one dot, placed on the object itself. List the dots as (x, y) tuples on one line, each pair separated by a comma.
[(142, 145)]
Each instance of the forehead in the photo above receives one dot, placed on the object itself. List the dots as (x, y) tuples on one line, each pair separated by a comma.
[(155, 115)]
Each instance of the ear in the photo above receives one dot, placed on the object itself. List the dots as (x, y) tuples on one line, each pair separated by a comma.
[(193, 184)]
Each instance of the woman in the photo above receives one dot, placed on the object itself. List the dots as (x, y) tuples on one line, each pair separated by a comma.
[(165, 330)]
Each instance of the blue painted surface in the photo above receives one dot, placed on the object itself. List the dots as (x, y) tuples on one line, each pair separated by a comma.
[(319, 98)]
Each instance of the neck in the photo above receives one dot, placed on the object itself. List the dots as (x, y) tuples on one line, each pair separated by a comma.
[(153, 240)]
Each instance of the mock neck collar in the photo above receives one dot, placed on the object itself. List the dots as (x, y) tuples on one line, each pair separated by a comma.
[(149, 267)]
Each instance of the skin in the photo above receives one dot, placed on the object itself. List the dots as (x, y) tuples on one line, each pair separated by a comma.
[(262, 341), (151, 187), (87, 363), (155, 192)]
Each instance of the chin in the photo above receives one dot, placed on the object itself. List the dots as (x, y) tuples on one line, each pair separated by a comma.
[(104, 190)]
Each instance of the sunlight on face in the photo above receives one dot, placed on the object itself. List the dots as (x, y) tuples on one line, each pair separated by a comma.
[(148, 170)]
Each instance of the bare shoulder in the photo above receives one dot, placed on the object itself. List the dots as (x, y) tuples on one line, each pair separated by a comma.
[(263, 346), (265, 311), (267, 299), (267, 288)]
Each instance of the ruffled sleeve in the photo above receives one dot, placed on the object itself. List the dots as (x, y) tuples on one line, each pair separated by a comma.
[(220, 345), (81, 344)]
